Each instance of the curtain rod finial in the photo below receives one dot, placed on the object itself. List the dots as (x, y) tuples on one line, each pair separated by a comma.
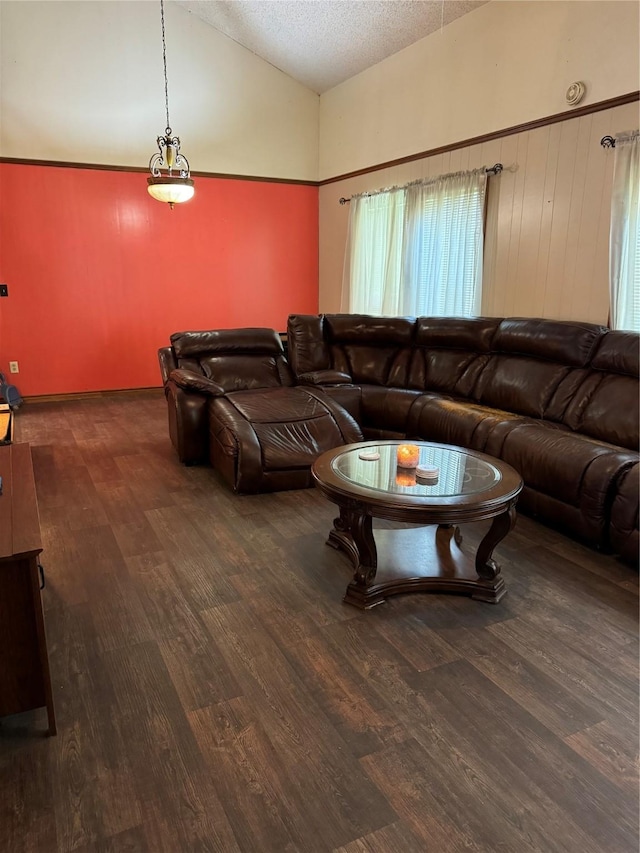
[(608, 142)]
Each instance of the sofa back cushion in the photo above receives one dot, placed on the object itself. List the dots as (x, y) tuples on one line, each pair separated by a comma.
[(372, 350), (237, 359), (607, 404), (536, 365), (308, 350), (450, 352)]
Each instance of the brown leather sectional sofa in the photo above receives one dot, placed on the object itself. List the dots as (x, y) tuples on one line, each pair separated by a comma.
[(557, 400)]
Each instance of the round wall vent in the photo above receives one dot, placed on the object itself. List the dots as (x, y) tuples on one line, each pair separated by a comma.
[(575, 93)]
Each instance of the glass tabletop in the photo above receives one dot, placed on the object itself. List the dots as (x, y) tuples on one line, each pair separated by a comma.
[(458, 472)]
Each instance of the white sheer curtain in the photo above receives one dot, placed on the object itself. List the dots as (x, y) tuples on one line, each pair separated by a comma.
[(417, 250), (624, 247), (371, 279), (442, 246)]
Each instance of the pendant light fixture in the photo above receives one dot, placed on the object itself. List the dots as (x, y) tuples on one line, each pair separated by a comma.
[(174, 185)]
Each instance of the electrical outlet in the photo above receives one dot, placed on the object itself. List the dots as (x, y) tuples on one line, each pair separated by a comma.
[(13, 367)]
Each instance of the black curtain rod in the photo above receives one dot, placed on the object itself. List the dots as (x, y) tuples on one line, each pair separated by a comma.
[(492, 170), (608, 142)]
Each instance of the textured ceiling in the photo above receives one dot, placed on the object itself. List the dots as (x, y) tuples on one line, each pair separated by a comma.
[(320, 43)]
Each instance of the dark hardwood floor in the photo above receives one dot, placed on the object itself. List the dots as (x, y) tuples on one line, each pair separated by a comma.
[(213, 693)]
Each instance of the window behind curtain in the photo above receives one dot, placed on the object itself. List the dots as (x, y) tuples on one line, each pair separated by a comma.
[(624, 249), (443, 246), (373, 259), (417, 250)]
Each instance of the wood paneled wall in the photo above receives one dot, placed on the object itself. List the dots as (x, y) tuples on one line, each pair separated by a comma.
[(100, 274), (547, 233)]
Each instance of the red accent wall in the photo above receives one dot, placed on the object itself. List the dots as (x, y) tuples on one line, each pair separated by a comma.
[(100, 274)]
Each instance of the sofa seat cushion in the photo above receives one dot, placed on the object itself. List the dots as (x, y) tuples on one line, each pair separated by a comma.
[(434, 417), (574, 468), (292, 425), (255, 434), (274, 405)]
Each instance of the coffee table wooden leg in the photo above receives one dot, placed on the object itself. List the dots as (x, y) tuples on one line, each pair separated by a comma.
[(353, 533), (445, 533), (491, 585)]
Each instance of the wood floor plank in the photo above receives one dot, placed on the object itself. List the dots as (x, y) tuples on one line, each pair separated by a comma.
[(420, 646), (135, 536), (252, 779), (132, 840), (166, 607), (27, 813), (65, 487), (570, 782), (614, 752), (179, 806), (545, 697), (613, 603), (610, 695), (396, 837), (453, 735), (288, 581), (347, 805), (148, 488), (90, 741), (192, 562), (422, 801), (360, 716), (198, 670), (121, 505), (222, 541), (117, 612), (64, 567)]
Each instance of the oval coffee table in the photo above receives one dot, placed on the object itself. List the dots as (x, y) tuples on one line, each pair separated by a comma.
[(471, 486)]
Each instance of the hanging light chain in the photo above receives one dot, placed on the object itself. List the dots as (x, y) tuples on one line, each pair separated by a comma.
[(164, 62), (171, 188)]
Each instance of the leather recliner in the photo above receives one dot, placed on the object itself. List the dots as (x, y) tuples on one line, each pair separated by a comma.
[(232, 401)]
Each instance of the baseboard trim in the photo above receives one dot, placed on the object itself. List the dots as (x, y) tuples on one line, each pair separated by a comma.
[(88, 395)]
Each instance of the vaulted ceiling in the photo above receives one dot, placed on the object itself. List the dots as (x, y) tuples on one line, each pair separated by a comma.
[(321, 43)]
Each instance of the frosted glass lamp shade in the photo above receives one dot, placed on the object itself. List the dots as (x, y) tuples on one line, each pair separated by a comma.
[(171, 190)]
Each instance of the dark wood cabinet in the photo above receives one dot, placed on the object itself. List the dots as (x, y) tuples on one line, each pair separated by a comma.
[(25, 681)]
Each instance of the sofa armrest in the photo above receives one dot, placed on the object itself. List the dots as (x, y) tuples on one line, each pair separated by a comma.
[(188, 380), (188, 423), (167, 361), (324, 377), (623, 529)]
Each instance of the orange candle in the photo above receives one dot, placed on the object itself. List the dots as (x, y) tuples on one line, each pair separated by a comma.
[(408, 455)]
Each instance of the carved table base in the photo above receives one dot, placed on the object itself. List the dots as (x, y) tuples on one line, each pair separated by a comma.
[(418, 559)]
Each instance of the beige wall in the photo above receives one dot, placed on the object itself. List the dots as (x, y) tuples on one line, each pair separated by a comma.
[(82, 82), (547, 235), (504, 64)]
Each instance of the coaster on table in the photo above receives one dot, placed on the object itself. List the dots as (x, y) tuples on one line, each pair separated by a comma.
[(369, 455)]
